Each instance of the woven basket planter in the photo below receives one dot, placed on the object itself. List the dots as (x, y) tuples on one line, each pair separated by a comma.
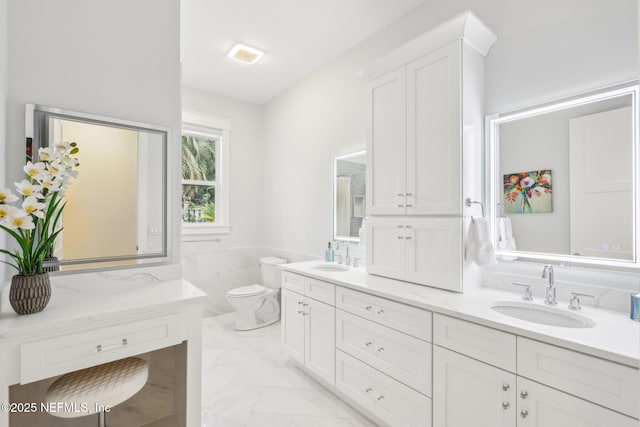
[(51, 263), (30, 294)]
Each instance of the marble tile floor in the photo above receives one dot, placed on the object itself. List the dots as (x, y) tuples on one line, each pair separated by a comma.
[(248, 381)]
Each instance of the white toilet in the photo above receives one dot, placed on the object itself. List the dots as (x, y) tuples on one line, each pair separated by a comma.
[(257, 305)]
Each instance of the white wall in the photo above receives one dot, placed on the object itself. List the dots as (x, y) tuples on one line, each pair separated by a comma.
[(545, 49), (3, 101), (113, 58)]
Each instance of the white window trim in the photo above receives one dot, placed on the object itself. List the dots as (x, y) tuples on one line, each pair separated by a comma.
[(198, 122)]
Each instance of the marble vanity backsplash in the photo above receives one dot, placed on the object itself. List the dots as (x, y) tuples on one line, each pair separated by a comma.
[(611, 289)]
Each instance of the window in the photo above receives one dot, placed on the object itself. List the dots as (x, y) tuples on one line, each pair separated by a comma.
[(204, 168), (199, 177)]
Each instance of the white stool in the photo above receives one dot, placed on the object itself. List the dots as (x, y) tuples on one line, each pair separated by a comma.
[(92, 390)]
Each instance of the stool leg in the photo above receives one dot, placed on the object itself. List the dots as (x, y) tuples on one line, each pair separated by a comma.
[(102, 419)]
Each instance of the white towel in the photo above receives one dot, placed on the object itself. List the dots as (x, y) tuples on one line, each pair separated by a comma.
[(479, 247)]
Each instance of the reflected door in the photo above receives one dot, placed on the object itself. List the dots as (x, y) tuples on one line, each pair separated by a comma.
[(601, 173)]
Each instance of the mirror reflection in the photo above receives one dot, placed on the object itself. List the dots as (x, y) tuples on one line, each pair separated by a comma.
[(564, 178), (115, 212), (349, 195)]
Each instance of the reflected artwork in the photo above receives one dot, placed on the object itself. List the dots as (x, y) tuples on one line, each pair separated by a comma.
[(528, 192)]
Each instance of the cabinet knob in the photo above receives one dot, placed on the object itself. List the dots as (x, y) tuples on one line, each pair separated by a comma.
[(408, 237), (505, 405), (401, 194), (409, 194), (380, 397), (368, 344), (99, 347), (125, 341), (369, 390), (524, 394), (304, 304), (524, 413), (300, 312), (368, 308), (401, 206), (409, 206), (505, 386), (381, 349), (400, 237), (380, 311), (299, 302)]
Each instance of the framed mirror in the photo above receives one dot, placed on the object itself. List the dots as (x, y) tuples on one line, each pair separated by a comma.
[(564, 179), (116, 212), (349, 189)]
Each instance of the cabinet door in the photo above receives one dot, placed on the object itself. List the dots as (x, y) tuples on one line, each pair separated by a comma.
[(434, 252), (434, 133), (542, 406), (386, 247), (292, 326), (320, 330), (471, 393), (386, 144)]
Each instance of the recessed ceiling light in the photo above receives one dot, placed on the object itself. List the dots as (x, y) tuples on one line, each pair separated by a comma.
[(245, 54)]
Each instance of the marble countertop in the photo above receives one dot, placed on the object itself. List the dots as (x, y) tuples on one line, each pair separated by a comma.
[(615, 337), (79, 299)]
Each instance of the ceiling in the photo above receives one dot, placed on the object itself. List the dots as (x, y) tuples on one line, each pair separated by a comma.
[(297, 36)]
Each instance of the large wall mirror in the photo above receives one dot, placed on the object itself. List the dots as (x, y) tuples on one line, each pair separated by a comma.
[(349, 178), (564, 179), (116, 212)]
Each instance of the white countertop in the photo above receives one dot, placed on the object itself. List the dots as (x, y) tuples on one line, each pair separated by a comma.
[(75, 300), (615, 337)]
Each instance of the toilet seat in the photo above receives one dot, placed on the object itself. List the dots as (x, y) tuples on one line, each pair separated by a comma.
[(247, 291)]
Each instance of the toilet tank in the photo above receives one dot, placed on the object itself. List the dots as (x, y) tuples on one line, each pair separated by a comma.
[(270, 272)]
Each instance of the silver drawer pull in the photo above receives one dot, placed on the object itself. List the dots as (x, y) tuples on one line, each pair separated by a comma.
[(408, 237), (505, 405), (524, 413), (505, 386), (400, 237), (409, 194), (381, 349), (401, 206), (300, 303), (99, 347), (300, 312), (369, 390), (125, 341), (380, 311), (400, 194), (368, 308), (524, 394), (368, 343), (409, 206), (380, 397), (304, 304)]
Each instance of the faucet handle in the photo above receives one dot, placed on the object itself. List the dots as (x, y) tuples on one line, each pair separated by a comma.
[(356, 261), (527, 296), (574, 301)]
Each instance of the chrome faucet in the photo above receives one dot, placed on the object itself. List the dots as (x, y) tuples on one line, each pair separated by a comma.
[(550, 292)]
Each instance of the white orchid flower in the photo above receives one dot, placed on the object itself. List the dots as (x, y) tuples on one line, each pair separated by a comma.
[(7, 211), (62, 146), (35, 170), (19, 219), (51, 184), (46, 154), (28, 189), (32, 207), (6, 196), (56, 169)]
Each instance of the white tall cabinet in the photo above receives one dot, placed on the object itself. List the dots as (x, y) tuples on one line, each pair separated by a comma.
[(424, 139)]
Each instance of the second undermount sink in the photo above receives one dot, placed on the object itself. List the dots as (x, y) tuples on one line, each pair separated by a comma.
[(542, 314), (330, 266)]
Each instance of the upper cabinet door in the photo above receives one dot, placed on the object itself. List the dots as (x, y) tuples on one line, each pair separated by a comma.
[(433, 133), (386, 144)]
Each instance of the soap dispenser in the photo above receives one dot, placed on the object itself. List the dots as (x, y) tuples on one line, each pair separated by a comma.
[(329, 254)]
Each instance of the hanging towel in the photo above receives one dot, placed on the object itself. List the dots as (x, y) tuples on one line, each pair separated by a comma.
[(479, 248)]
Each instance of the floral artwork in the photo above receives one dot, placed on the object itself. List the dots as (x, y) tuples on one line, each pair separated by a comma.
[(528, 192)]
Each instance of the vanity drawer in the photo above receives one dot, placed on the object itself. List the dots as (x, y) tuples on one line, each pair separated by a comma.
[(401, 317), (58, 355), (321, 291), (293, 282), (478, 342), (391, 401), (399, 355), (600, 381)]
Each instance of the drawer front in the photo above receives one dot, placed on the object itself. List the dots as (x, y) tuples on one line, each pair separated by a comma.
[(398, 355), (401, 317), (321, 291), (292, 281), (54, 356), (391, 401), (606, 383), (478, 342)]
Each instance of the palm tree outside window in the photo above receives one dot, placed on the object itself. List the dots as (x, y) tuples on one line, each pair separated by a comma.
[(198, 204)]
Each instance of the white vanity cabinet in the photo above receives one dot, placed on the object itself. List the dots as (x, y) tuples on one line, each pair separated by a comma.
[(481, 379), (424, 150), (419, 250), (308, 325)]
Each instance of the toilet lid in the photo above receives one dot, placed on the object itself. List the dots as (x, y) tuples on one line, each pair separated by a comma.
[(247, 291)]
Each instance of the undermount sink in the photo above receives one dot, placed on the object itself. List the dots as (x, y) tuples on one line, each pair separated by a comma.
[(543, 314), (330, 266)]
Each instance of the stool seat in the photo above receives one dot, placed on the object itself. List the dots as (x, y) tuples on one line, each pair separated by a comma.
[(97, 387)]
